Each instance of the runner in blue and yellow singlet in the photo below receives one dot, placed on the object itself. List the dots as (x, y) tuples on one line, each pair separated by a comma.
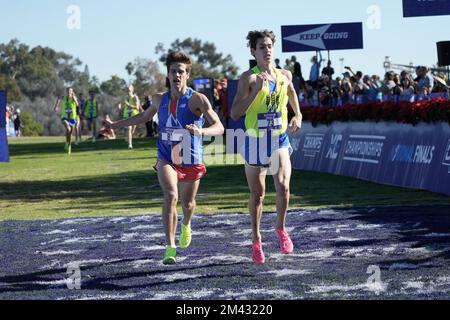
[(90, 112), (131, 107), (262, 98), (68, 112)]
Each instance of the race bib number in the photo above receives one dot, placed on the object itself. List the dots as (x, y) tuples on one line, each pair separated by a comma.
[(171, 137), (270, 121)]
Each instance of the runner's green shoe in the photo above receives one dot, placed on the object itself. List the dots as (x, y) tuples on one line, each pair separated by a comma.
[(170, 257), (69, 149), (186, 236)]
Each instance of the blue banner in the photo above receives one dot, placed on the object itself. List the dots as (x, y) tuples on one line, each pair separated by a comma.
[(231, 124), (316, 37), (231, 91), (422, 8), (388, 153), (4, 156), (2, 109)]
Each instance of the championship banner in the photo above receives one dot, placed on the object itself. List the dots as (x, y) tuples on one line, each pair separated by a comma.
[(389, 153), (4, 156), (316, 37), (422, 8)]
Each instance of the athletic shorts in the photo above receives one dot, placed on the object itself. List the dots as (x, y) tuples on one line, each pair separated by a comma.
[(72, 122), (258, 151), (191, 173), (188, 173)]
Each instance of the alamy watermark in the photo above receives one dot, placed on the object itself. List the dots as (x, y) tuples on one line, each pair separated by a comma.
[(374, 20), (256, 147), (74, 19), (374, 282), (73, 281)]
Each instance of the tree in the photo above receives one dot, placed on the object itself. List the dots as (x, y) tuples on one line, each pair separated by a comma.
[(207, 62), (31, 128), (147, 78), (37, 76), (13, 56), (114, 87), (41, 71), (129, 68), (11, 87)]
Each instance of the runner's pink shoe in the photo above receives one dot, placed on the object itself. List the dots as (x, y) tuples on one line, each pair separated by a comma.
[(258, 254), (286, 244)]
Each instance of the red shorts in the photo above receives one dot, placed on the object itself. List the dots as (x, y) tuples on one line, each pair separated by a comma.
[(187, 173), (191, 173)]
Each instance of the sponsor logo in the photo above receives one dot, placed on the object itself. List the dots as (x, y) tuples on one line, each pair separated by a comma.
[(364, 148), (333, 151), (312, 145), (421, 154), (446, 160), (295, 143)]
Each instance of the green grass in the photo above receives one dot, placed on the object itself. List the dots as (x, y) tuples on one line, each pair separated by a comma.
[(106, 179)]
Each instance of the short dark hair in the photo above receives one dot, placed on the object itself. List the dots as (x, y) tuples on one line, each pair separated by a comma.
[(179, 57), (253, 37)]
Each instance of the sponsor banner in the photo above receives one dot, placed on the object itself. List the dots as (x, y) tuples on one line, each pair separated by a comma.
[(421, 8), (341, 36), (388, 153), (4, 156)]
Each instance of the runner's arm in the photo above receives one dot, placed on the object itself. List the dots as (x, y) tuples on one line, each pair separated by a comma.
[(58, 100), (216, 128), (244, 97), (296, 122), (141, 118)]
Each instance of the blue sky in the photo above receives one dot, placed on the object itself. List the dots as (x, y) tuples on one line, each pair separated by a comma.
[(115, 32)]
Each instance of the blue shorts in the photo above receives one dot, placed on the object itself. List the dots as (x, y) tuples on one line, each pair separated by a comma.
[(257, 151), (72, 122)]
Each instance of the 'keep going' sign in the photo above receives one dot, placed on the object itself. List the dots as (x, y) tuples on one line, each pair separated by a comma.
[(341, 36)]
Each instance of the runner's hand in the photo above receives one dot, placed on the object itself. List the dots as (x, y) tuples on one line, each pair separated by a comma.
[(260, 78), (193, 129), (295, 125), (108, 124)]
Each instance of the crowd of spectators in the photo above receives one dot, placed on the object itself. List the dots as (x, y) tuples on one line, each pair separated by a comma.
[(326, 89), (13, 120)]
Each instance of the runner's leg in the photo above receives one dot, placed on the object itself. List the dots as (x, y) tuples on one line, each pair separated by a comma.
[(282, 185), (168, 180), (256, 178), (188, 192)]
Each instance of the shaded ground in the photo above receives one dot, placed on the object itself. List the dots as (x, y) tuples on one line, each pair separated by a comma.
[(120, 257)]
